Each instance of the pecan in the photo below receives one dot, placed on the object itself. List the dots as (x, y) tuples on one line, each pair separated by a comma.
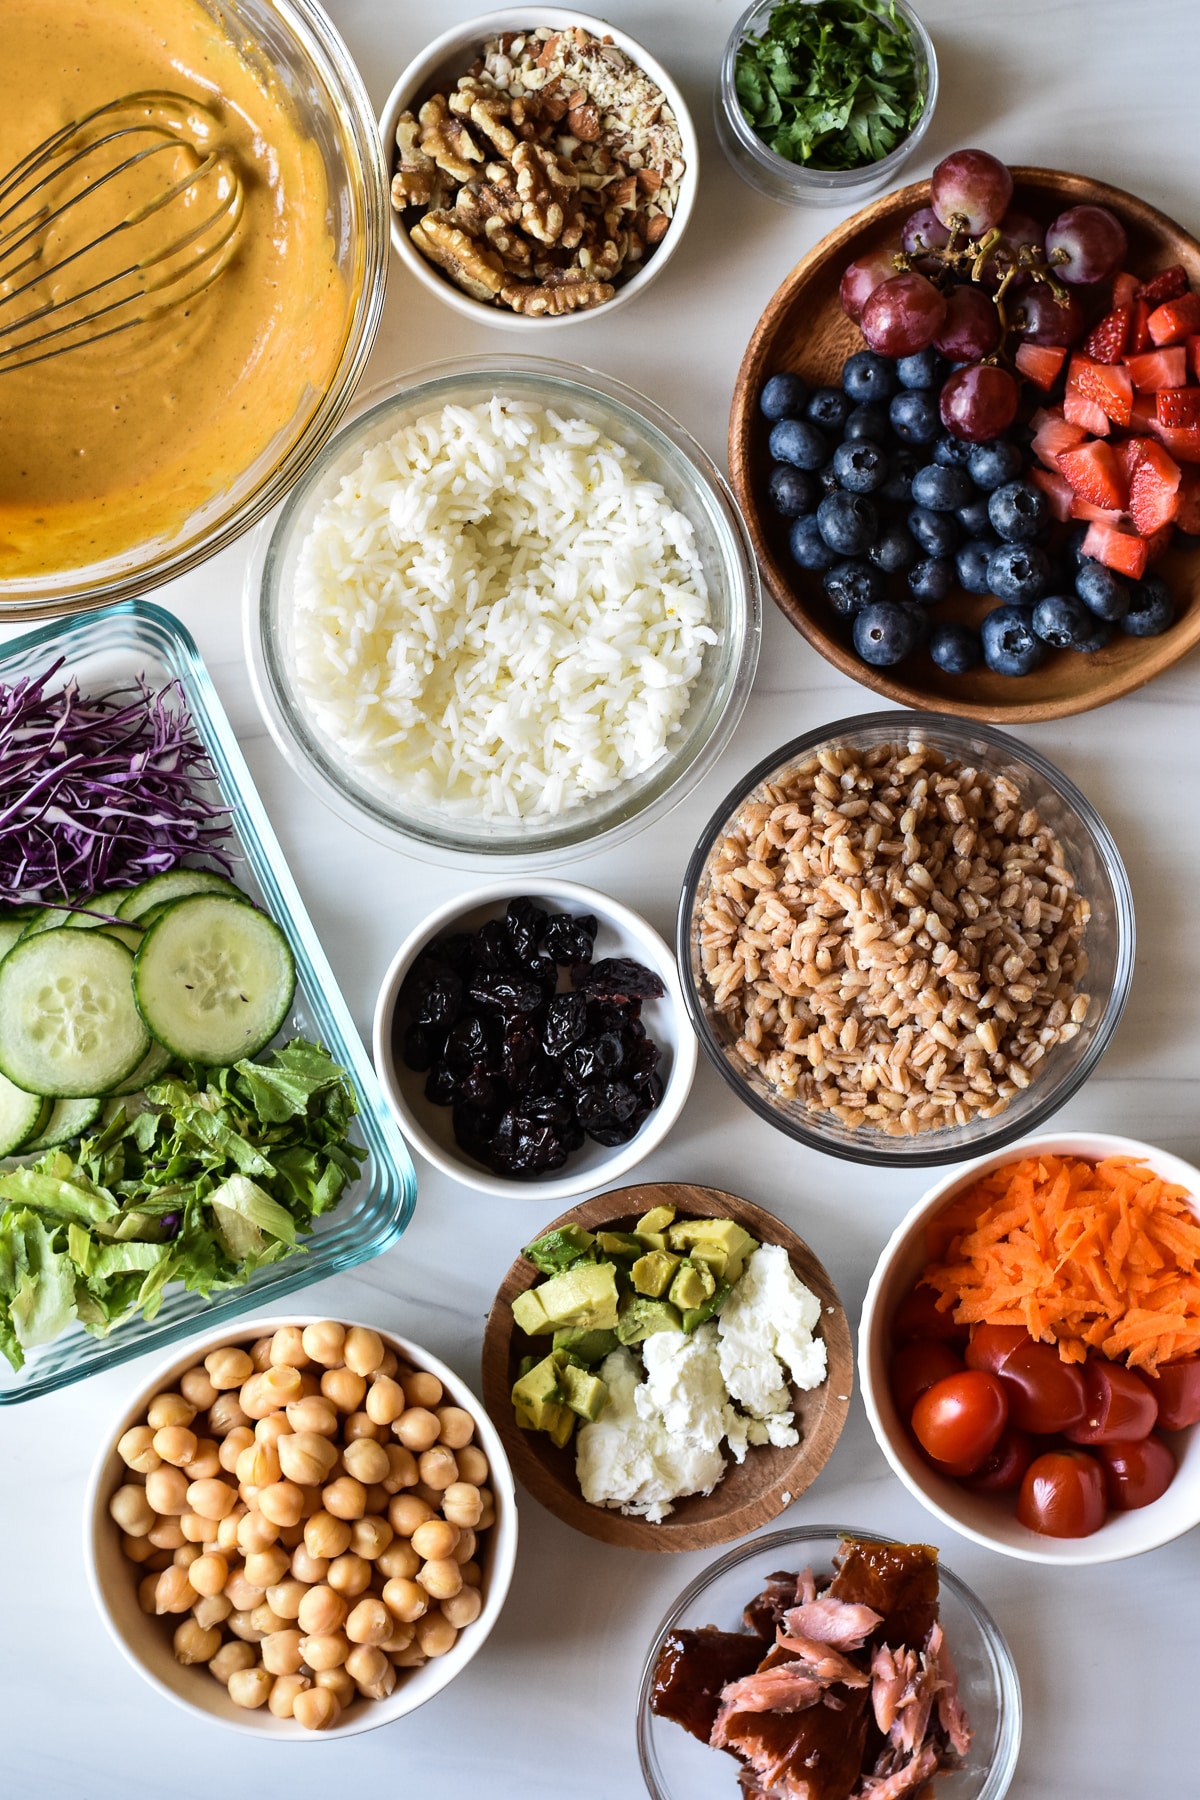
[(476, 270), (487, 110), (447, 140), (572, 296), (416, 179)]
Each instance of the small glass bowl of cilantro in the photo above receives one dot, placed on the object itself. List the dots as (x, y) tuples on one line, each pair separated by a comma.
[(822, 101)]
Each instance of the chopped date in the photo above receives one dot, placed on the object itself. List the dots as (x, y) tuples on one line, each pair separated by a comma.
[(619, 978)]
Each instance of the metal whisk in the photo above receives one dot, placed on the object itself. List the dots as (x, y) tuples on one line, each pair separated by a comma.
[(116, 219)]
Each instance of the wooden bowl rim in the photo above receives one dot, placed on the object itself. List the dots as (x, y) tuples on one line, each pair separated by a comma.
[(1117, 681), (525, 1451)]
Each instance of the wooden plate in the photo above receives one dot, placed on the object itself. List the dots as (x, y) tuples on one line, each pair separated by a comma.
[(804, 329), (750, 1493)]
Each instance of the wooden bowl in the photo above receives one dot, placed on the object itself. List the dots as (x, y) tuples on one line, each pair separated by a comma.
[(804, 329), (750, 1493)]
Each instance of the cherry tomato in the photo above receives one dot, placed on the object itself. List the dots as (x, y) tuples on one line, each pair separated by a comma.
[(1003, 1468), (1045, 1394), (957, 1420), (1062, 1495), (1119, 1406), (917, 1366), (992, 1345), (1136, 1474), (1177, 1391), (917, 1316)]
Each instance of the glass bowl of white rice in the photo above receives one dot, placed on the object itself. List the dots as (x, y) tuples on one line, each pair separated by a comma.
[(511, 612)]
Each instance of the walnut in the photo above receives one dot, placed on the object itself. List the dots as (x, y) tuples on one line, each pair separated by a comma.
[(571, 296), (476, 270), (512, 249), (416, 179), (487, 110), (545, 183), (447, 140)]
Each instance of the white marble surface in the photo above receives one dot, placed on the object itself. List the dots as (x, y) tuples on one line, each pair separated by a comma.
[(547, 1710)]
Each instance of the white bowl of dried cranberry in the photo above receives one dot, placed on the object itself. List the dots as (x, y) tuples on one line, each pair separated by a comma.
[(638, 118), (375, 1389), (1119, 1452), (631, 1009)]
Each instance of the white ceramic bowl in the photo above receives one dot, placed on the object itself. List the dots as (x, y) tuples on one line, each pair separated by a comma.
[(622, 933), (145, 1642), (990, 1519), (448, 57)]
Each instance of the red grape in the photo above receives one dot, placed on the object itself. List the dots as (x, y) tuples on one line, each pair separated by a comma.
[(923, 231), (973, 187), (861, 278), (1042, 319), (1092, 242), (903, 315), (1018, 229), (978, 403), (971, 328)]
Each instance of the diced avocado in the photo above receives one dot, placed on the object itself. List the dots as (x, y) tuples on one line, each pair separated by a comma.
[(692, 1286), (723, 1234), (641, 1318), (651, 1240), (652, 1273), (657, 1219), (526, 1363), (618, 1243), (558, 1250), (698, 1315), (586, 1394), (590, 1347), (529, 1313), (561, 1426), (585, 1297), (539, 1401)]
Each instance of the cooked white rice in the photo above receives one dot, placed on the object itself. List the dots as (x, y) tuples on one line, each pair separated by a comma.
[(498, 613)]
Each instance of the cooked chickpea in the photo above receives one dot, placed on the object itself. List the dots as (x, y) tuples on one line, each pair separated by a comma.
[(281, 1653), (306, 1457), (411, 1658), (431, 1496), (441, 1578), (362, 1350), (228, 1367), (287, 1348), (174, 1593), (265, 1567), (175, 1444), (406, 1512), (389, 1365), (461, 1503), (362, 1425), (344, 1388), (436, 1538), (137, 1549), (255, 1532), (212, 1499), (242, 1626), (135, 1448), (285, 1597), (417, 1428), (366, 1663), (211, 1609), (309, 1383), (271, 1429), (270, 1389), (376, 1499), (458, 1427), (336, 1682), (404, 1599), (260, 1353), (487, 1518), (402, 1469), (130, 1508), (472, 1574), (370, 1536), (369, 1622), (258, 1465), (197, 1529), (322, 1610), (185, 1556), (207, 1461), (232, 1656), (243, 1593), (473, 1465), (326, 1536), (308, 1568), (291, 1535), (166, 1534), (225, 1414), (462, 1608), (148, 1593), (284, 1690), (313, 1413), (345, 1498), (323, 1343), (193, 1643), (228, 1528), (326, 1650), (166, 1490), (169, 1409), (196, 1387), (159, 1560), (282, 1503), (398, 1559), (421, 1389), (232, 1445), (385, 1400), (435, 1634), (402, 1636), (467, 1541), (264, 1618), (316, 1709), (366, 1460), (438, 1467), (350, 1575), (249, 1688)]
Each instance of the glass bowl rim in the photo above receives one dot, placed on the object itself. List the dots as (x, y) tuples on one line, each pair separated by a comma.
[(1013, 1123)]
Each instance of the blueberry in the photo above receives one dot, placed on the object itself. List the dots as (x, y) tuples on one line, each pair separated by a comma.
[(914, 417), (924, 369), (1101, 634), (827, 480), (853, 585), (1063, 621), (796, 441), (1010, 644), (783, 397), (902, 466), (991, 465), (849, 523), (867, 376), (974, 517), (860, 466), (932, 580), (1019, 512), (867, 421), (1151, 609), (1105, 593), (792, 491), (1019, 572), (941, 488), (885, 633), (808, 547), (955, 648), (829, 408), (894, 550), (952, 452), (937, 533), (971, 565), (1073, 545)]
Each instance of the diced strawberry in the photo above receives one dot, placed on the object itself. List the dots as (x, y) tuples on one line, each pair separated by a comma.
[(1118, 550), (1129, 453), (1086, 414), (1125, 288), (1174, 320), (1168, 284), (1143, 415), (1188, 516), (1109, 386), (1139, 330), (1154, 490), (1095, 474), (1183, 441), (1057, 490), (1158, 542), (1054, 435), (1041, 363), (1192, 349), (1105, 343), (1178, 406), (1159, 368), (1115, 516)]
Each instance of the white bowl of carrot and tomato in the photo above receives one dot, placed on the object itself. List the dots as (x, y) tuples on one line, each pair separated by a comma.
[(1087, 1247)]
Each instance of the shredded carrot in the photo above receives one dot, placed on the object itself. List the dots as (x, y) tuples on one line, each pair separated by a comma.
[(1081, 1254)]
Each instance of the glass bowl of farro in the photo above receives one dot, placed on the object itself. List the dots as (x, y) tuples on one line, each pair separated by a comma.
[(905, 938)]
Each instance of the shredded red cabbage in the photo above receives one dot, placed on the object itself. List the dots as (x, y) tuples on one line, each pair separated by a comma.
[(100, 790)]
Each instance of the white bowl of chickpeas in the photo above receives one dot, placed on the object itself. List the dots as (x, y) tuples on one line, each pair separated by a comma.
[(308, 1526)]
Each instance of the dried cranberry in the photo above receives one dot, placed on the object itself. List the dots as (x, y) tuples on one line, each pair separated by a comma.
[(466, 1043), (419, 1047), (511, 993), (493, 946), (570, 940), (565, 1022), (619, 978), (526, 922), (433, 995), (457, 951), (520, 1051), (441, 1085), (593, 1059)]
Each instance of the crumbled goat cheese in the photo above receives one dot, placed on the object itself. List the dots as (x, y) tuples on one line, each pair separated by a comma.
[(767, 1322), (635, 1462)]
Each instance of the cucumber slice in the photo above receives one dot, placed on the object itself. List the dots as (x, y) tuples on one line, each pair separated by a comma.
[(68, 1119), (214, 979), (21, 1115), (68, 1024), (152, 1065), (129, 935), (10, 931), (173, 884)]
